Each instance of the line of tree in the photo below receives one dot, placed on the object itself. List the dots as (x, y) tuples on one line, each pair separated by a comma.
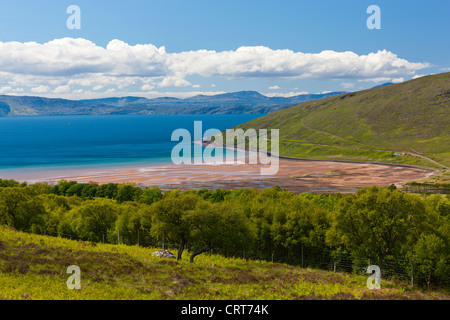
[(375, 223)]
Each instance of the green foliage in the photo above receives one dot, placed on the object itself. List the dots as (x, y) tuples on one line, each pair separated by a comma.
[(93, 219), (108, 190), (218, 225), (21, 209), (151, 195), (432, 256), (171, 221), (375, 223), (33, 267), (127, 192), (8, 183)]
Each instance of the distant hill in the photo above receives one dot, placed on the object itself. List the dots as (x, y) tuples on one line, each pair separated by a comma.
[(228, 103), (381, 123)]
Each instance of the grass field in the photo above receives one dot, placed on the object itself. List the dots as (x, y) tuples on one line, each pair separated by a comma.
[(35, 267)]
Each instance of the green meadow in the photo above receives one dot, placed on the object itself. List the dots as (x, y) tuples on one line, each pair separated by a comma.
[(34, 267)]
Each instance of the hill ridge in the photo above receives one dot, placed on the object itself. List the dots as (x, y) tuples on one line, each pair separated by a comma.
[(402, 123)]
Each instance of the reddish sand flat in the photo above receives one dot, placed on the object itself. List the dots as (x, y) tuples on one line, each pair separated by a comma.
[(295, 175)]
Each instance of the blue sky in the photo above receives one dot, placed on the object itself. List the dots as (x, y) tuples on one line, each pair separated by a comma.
[(193, 46)]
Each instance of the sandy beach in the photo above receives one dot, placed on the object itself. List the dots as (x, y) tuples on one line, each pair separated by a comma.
[(294, 175)]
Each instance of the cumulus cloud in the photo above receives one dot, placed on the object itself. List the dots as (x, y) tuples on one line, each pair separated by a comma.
[(147, 87), (79, 62), (5, 89), (286, 94), (274, 87), (347, 85), (172, 81), (40, 89), (62, 89)]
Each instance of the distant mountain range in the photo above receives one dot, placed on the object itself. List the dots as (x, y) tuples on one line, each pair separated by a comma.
[(242, 102)]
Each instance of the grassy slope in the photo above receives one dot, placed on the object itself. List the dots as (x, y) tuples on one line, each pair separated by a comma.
[(411, 117), (34, 267)]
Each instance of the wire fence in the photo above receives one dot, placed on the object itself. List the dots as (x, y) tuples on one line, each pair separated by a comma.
[(392, 268)]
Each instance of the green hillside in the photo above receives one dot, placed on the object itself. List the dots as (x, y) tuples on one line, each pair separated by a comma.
[(35, 267), (412, 118)]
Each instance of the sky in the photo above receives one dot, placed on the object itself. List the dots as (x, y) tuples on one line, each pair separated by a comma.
[(181, 48)]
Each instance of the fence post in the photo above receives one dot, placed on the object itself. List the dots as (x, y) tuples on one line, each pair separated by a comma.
[(412, 272), (302, 255)]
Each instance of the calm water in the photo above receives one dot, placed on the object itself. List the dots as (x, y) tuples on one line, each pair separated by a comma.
[(44, 142)]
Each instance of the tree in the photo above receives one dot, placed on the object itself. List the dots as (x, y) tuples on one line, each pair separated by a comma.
[(62, 186), (151, 195), (128, 224), (127, 192), (9, 183), (219, 225), (56, 207), (108, 190), (93, 219), (377, 222), (170, 221), (89, 191), (431, 256), (21, 209)]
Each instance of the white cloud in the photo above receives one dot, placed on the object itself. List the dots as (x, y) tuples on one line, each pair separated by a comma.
[(274, 87), (62, 89), (285, 95), (196, 86), (40, 89), (347, 85), (173, 82), (80, 62), (5, 89), (398, 80), (147, 87)]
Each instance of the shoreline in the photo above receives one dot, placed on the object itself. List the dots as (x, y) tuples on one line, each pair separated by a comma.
[(296, 175), (205, 143)]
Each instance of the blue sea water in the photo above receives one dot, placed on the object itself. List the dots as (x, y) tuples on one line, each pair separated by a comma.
[(74, 141)]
